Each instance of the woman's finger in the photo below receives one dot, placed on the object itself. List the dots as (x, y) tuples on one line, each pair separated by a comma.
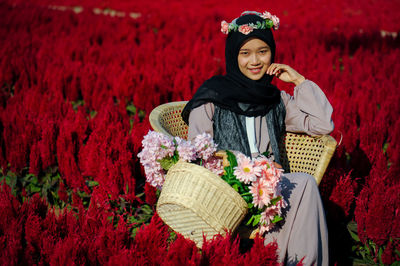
[(271, 68)]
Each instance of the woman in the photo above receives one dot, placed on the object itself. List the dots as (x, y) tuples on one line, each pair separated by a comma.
[(243, 111)]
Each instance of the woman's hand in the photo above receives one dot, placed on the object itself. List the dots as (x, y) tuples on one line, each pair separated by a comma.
[(285, 73)]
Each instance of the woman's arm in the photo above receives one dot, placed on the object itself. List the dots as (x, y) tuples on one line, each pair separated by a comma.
[(200, 120), (308, 110)]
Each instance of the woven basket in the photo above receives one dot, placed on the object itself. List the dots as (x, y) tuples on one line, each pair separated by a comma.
[(194, 201), (166, 118)]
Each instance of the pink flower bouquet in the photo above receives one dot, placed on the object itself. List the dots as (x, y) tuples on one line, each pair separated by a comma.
[(256, 180)]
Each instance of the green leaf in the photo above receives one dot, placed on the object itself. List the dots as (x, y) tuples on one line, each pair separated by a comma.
[(247, 198), (256, 219), (275, 200), (354, 236), (235, 187), (250, 220), (131, 109), (92, 114), (92, 183), (232, 159), (266, 153), (35, 189), (276, 219), (397, 252), (134, 232), (352, 228), (380, 251), (166, 163)]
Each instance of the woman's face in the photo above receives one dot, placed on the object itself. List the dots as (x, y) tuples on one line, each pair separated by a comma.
[(254, 58)]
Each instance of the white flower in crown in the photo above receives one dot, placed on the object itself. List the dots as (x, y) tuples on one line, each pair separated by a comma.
[(266, 15)]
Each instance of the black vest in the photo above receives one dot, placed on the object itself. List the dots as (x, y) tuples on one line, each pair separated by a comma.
[(230, 129)]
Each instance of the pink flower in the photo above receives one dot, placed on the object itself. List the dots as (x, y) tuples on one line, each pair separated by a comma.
[(265, 222), (224, 27), (186, 150), (246, 171), (204, 146), (268, 171), (262, 193), (214, 164), (245, 29), (275, 20)]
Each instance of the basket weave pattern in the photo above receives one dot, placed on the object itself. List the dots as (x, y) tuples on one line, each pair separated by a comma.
[(306, 154), (194, 201), (167, 119)]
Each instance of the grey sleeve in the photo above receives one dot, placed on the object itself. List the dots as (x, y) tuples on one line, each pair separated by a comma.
[(200, 120), (308, 111)]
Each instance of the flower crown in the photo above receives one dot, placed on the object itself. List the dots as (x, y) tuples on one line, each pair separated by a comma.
[(268, 22)]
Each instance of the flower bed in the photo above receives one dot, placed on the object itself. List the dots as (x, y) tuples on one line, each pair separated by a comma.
[(77, 85)]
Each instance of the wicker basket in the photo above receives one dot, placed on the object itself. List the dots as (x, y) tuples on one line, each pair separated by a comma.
[(194, 201)]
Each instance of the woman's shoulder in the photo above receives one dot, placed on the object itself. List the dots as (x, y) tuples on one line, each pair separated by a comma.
[(204, 110)]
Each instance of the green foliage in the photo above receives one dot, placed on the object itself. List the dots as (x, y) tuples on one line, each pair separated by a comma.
[(231, 179), (134, 214), (25, 185), (367, 253)]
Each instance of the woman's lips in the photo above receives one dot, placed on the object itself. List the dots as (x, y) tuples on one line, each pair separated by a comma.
[(255, 70)]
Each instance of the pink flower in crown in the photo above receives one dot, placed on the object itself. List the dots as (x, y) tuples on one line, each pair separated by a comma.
[(261, 191), (266, 15), (276, 22), (224, 27), (246, 171), (245, 29)]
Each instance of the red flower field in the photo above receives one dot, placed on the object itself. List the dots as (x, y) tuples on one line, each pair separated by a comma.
[(79, 79)]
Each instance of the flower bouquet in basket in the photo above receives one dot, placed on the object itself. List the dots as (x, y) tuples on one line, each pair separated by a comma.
[(256, 180)]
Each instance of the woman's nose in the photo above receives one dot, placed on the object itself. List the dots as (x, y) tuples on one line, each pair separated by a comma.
[(254, 59)]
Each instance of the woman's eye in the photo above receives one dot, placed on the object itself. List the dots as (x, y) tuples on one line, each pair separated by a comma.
[(244, 53), (263, 51)]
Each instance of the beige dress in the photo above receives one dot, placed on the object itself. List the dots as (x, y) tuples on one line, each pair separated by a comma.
[(304, 233)]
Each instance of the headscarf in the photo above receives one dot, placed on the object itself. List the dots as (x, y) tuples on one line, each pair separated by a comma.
[(234, 91)]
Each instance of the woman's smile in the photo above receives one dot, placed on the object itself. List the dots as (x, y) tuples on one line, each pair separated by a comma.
[(255, 70)]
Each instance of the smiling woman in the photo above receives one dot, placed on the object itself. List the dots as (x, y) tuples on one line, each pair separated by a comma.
[(245, 112)]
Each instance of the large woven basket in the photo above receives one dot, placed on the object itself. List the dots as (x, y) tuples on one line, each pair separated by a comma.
[(196, 202)]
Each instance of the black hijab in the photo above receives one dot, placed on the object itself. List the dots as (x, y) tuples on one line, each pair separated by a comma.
[(234, 91)]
